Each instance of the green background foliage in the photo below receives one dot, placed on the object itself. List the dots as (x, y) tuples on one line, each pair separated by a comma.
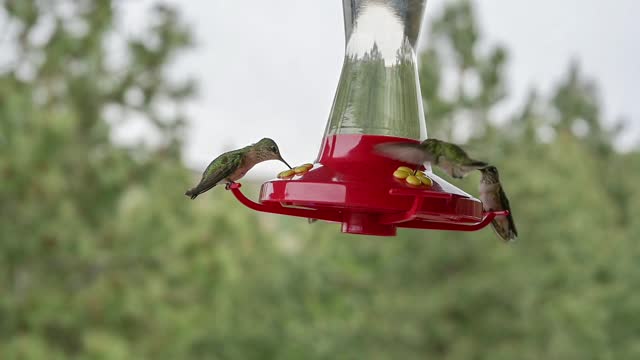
[(102, 257)]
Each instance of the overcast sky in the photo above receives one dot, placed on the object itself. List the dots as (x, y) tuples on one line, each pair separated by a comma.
[(270, 68)]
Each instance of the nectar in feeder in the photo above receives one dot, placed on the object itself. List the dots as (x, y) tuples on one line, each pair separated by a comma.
[(377, 101)]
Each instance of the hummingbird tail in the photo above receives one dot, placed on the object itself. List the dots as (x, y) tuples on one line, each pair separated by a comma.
[(201, 188), (192, 193)]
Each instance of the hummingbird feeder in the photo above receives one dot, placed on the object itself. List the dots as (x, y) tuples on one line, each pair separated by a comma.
[(377, 101)]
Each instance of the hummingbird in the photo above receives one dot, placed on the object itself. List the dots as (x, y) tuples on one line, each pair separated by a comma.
[(447, 156), (494, 199), (233, 165)]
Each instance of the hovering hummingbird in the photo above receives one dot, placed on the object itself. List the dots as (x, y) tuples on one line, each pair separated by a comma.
[(447, 156), (494, 199), (233, 165)]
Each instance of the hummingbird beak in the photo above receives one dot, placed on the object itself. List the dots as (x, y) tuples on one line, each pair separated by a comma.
[(281, 159)]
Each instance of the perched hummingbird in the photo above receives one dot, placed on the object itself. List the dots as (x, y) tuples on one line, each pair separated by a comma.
[(449, 157), (494, 199), (233, 165)]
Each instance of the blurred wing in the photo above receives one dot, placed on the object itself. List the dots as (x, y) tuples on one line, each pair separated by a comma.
[(407, 152)]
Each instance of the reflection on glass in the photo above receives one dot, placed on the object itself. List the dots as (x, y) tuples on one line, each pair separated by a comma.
[(378, 92)]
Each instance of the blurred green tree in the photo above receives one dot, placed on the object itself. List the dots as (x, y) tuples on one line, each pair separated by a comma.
[(102, 257)]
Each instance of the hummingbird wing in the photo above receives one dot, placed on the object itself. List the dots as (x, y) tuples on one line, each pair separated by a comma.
[(407, 152), (219, 169), (513, 232)]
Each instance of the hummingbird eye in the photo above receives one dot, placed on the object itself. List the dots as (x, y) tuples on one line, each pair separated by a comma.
[(274, 149)]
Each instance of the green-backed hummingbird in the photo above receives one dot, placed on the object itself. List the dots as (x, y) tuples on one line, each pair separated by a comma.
[(494, 199), (233, 165), (449, 157)]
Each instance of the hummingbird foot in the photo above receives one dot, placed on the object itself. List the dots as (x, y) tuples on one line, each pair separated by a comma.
[(228, 185)]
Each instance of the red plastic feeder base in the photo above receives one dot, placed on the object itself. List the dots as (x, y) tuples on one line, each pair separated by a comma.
[(352, 185)]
